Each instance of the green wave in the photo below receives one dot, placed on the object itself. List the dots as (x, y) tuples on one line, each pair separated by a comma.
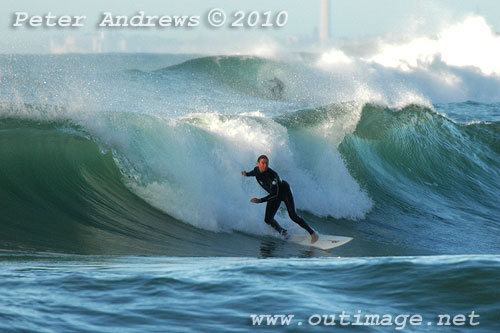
[(415, 162), (61, 192), (249, 75)]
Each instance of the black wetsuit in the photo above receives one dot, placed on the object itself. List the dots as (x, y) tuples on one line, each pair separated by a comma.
[(279, 191)]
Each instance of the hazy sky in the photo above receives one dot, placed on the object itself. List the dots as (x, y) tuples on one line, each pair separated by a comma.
[(349, 20)]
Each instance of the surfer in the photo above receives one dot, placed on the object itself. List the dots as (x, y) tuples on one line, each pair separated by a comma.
[(279, 191), (277, 90)]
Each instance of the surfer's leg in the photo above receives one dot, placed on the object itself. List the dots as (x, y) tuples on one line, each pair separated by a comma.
[(271, 209), (290, 206)]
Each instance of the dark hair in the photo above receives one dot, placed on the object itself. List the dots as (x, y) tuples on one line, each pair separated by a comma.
[(261, 157)]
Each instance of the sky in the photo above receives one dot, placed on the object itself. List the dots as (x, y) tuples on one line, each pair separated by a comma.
[(349, 21)]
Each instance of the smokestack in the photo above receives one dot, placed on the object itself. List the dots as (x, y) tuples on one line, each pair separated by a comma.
[(324, 24)]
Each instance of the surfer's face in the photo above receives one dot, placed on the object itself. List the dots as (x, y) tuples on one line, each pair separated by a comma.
[(263, 164)]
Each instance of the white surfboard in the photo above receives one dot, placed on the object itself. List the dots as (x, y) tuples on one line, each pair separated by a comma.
[(324, 242)]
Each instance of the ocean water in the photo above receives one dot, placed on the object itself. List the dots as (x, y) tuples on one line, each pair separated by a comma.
[(123, 207)]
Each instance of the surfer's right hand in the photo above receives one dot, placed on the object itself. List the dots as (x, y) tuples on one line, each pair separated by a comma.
[(244, 173)]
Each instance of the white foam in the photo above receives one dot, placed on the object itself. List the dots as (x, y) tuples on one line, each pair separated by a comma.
[(191, 169), (460, 63), (468, 43), (334, 57)]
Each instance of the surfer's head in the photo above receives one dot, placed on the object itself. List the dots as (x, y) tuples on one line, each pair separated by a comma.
[(262, 163)]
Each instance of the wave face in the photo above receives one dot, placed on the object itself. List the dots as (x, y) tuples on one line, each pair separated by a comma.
[(412, 177), (439, 178), (129, 181), (60, 193), (143, 154), (249, 75)]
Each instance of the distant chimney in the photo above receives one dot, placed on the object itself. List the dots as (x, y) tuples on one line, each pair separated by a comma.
[(324, 24)]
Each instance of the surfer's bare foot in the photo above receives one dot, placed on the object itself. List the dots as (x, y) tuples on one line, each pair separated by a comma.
[(314, 237)]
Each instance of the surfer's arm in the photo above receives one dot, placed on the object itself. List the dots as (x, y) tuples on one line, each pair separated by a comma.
[(248, 174), (275, 190)]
